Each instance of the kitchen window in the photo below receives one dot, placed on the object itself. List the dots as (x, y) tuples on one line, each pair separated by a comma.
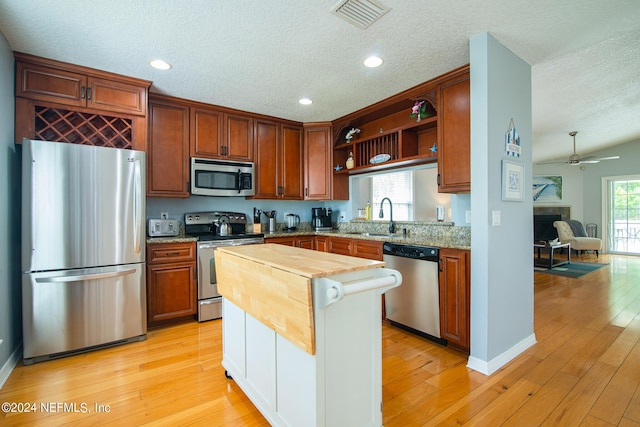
[(398, 187)]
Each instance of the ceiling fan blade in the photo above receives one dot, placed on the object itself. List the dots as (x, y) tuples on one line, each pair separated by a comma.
[(608, 158), (553, 162)]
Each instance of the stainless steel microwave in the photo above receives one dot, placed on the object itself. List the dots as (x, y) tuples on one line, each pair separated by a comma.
[(222, 178)]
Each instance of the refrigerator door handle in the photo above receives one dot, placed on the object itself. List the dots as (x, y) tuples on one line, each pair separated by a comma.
[(81, 277), (137, 205)]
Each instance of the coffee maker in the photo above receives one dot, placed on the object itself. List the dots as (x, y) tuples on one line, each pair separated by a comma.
[(321, 219)]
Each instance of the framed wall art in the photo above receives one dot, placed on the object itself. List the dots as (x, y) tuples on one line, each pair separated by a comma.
[(547, 188), (512, 181)]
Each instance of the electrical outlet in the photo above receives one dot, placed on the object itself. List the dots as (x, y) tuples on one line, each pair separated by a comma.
[(286, 214), (467, 216), (164, 215)]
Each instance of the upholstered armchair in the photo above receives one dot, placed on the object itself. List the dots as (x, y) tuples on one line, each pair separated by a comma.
[(573, 232)]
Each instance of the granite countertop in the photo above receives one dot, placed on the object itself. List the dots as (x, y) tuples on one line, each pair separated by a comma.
[(408, 239), (437, 240)]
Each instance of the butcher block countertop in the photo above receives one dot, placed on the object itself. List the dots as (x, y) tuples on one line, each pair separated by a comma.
[(303, 262), (273, 284)]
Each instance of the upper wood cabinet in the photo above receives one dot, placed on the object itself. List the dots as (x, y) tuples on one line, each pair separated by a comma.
[(238, 139), (278, 149), (63, 87), (454, 136), (64, 102), (207, 130), (317, 161), (168, 151)]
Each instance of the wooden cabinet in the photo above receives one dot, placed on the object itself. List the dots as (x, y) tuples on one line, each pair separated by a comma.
[(278, 154), (78, 88), (322, 243), (58, 101), (454, 136), (340, 245), (171, 281), (367, 249), (168, 151), (238, 138), (305, 242), (207, 130), (317, 161), (455, 297)]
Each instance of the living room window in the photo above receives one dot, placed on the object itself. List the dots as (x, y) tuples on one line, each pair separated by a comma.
[(623, 226)]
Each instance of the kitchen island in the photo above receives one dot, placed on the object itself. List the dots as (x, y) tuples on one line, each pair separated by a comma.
[(302, 333)]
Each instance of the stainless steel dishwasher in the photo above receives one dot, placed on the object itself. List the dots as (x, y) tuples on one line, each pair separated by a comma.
[(414, 305)]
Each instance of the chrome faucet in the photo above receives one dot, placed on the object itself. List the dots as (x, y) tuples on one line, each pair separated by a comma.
[(392, 227)]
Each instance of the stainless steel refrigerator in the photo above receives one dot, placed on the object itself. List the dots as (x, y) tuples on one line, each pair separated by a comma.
[(83, 252)]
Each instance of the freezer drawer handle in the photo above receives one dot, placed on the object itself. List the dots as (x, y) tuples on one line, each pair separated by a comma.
[(81, 277)]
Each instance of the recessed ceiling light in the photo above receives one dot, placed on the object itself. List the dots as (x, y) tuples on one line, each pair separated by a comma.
[(305, 101), (373, 61), (160, 64)]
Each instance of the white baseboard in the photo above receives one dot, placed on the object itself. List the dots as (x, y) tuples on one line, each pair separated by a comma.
[(499, 361), (11, 363)]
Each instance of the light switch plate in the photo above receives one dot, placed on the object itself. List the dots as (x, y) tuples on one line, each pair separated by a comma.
[(495, 218)]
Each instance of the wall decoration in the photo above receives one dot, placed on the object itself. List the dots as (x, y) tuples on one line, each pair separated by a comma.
[(512, 181), (512, 141), (547, 188)]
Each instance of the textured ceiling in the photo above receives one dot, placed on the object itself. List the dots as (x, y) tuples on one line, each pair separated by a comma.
[(263, 55)]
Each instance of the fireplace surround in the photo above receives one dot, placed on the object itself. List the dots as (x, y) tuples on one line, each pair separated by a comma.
[(543, 218)]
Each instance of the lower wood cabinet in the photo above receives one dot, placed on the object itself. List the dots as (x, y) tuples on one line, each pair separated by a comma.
[(455, 297), (171, 281), (322, 243), (305, 242)]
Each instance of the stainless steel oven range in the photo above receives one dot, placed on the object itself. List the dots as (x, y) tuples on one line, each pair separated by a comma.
[(215, 229)]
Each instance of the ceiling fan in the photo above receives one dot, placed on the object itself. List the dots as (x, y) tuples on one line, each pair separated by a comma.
[(575, 159)]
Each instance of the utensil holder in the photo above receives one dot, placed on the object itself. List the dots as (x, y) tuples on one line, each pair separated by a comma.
[(272, 225)]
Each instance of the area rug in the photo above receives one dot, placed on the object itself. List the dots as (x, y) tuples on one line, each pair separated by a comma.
[(574, 269)]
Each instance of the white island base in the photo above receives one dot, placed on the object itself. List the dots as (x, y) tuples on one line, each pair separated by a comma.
[(339, 385)]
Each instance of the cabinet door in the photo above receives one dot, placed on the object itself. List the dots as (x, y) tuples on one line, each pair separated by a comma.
[(454, 130), (110, 95), (322, 243), (340, 245), (367, 249), (304, 242), (454, 297), (317, 163), (288, 241), (171, 291), (168, 151), (48, 84), (238, 138), (290, 172), (206, 132), (267, 154)]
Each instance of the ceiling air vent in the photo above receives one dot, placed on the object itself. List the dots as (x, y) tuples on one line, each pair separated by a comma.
[(360, 13)]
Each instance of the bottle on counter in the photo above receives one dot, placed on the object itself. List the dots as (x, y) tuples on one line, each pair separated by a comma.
[(367, 212)]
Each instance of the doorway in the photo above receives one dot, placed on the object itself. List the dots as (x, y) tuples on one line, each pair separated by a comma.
[(622, 214)]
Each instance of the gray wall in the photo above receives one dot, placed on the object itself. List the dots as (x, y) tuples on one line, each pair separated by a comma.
[(10, 294), (501, 262)]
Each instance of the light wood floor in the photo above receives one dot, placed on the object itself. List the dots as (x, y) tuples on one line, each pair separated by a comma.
[(584, 371)]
